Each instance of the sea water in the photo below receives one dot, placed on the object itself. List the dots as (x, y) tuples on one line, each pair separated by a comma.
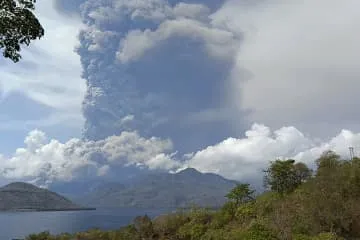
[(20, 224)]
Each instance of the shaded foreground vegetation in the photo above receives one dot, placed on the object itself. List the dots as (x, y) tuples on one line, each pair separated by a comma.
[(298, 204)]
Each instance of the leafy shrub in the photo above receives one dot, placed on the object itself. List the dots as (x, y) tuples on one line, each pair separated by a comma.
[(191, 231), (257, 231), (245, 212), (216, 234), (301, 237), (229, 208), (201, 216), (168, 225), (327, 236), (220, 219)]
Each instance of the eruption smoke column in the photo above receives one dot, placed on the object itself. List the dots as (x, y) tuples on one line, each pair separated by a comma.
[(155, 66)]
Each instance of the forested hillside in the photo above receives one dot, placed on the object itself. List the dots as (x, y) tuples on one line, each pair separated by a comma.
[(299, 204)]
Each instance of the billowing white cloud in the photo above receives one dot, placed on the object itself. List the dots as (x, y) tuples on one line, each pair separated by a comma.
[(99, 39), (44, 161), (195, 11), (245, 158), (154, 10), (182, 20), (218, 42)]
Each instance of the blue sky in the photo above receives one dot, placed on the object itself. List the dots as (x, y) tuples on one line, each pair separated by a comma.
[(45, 89), (222, 86)]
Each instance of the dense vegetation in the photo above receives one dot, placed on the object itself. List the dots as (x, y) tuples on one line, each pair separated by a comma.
[(18, 26), (298, 204)]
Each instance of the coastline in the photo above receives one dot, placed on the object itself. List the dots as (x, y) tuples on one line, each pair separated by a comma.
[(47, 210)]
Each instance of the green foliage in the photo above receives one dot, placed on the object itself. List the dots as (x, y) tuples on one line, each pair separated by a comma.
[(327, 236), (216, 234), (327, 162), (126, 233), (302, 237), (202, 216), (245, 212), (168, 225), (191, 231), (241, 193), (229, 208), (284, 176), (265, 203), (220, 219), (258, 231), (18, 25), (200, 220), (40, 236)]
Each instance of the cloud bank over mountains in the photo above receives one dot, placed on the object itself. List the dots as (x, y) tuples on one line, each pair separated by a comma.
[(44, 161)]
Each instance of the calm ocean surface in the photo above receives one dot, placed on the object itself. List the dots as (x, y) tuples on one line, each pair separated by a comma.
[(21, 224)]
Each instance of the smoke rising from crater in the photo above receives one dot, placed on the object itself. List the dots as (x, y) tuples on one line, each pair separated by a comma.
[(159, 67)]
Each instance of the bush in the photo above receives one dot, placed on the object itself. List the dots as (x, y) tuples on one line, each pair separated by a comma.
[(216, 234), (220, 219), (201, 216), (327, 236), (245, 212), (168, 225), (265, 203), (258, 231), (301, 237), (127, 233), (191, 231), (229, 208)]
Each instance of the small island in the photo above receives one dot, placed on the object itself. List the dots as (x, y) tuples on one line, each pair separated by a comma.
[(25, 197)]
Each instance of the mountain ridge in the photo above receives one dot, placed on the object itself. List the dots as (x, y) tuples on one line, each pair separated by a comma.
[(166, 190)]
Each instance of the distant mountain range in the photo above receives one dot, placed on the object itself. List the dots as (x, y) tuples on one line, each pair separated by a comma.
[(19, 196), (159, 190)]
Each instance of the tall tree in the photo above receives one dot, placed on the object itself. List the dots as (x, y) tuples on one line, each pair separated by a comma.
[(327, 162), (18, 25), (241, 193), (302, 172), (284, 176)]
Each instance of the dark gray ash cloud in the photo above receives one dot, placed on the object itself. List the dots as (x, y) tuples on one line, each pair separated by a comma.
[(158, 67)]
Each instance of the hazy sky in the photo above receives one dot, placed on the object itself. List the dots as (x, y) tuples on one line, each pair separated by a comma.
[(222, 86)]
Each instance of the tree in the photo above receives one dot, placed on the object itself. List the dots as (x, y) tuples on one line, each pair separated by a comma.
[(241, 193), (18, 25), (327, 162), (302, 172), (284, 176)]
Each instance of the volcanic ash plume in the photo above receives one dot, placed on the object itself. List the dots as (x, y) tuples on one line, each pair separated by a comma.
[(156, 66)]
